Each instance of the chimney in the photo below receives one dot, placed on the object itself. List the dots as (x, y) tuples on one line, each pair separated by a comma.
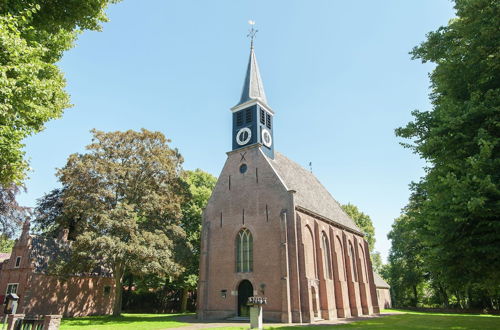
[(63, 235)]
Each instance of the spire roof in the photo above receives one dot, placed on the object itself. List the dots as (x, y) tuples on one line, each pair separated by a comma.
[(253, 89)]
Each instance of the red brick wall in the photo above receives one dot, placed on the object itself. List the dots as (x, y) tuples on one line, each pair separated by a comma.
[(287, 251), (76, 296), (43, 294)]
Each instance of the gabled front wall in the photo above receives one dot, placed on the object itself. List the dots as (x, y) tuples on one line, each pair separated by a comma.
[(255, 200), (10, 274), (288, 252)]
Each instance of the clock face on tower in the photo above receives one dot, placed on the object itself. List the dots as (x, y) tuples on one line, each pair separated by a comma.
[(243, 136), (267, 140)]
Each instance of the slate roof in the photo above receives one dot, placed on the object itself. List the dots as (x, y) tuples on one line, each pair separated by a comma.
[(379, 281), (253, 88), (45, 250), (310, 193)]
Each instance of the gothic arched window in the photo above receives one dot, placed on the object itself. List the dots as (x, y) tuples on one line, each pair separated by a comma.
[(327, 260), (244, 251), (354, 266)]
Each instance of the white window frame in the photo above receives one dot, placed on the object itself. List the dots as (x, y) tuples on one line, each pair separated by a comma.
[(244, 249), (11, 284), (16, 265)]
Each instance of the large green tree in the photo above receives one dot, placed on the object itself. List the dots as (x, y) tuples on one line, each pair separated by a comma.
[(12, 215), (457, 201), (406, 272), (364, 222), (33, 37), (200, 185), (127, 193)]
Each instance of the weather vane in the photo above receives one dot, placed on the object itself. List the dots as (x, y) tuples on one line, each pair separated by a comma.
[(252, 32)]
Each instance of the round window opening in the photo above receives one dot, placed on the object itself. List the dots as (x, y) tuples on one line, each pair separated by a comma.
[(243, 168)]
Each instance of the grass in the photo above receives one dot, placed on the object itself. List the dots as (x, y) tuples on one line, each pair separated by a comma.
[(403, 320), (125, 321), (409, 320)]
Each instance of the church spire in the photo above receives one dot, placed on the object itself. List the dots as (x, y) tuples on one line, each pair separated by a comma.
[(252, 117), (253, 89)]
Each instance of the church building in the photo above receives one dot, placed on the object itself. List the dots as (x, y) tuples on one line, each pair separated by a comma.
[(271, 229)]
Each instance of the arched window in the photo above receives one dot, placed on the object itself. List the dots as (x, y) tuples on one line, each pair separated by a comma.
[(352, 256), (244, 251), (362, 261), (327, 260), (310, 254), (340, 258)]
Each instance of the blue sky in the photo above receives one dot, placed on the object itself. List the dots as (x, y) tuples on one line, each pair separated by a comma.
[(337, 73)]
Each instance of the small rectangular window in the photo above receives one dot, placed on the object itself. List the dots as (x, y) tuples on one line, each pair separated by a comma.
[(248, 116), (107, 290), (11, 288), (268, 120), (18, 262), (239, 118), (262, 117)]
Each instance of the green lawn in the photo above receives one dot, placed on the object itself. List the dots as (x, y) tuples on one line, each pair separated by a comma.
[(405, 320), (409, 320), (126, 321)]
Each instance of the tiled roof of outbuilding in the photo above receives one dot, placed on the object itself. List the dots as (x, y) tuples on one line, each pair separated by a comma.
[(310, 193), (379, 281), (45, 250)]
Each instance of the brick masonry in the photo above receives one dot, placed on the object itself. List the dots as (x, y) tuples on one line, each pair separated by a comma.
[(290, 248), (42, 294)]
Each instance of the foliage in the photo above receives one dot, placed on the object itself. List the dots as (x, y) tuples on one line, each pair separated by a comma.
[(33, 36), (363, 221), (126, 193), (200, 185), (6, 244), (406, 271), (455, 206), (49, 213), (377, 263), (12, 215)]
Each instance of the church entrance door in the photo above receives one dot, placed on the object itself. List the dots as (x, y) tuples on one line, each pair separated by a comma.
[(245, 291)]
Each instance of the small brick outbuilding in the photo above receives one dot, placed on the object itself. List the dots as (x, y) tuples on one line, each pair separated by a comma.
[(25, 273), (383, 291)]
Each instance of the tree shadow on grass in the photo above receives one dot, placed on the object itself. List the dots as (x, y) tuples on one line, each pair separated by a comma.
[(121, 320)]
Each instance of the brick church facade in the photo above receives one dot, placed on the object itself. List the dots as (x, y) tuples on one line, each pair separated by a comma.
[(271, 229)]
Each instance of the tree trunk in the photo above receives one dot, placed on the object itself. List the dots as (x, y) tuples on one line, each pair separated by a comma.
[(117, 306), (184, 300), (415, 294)]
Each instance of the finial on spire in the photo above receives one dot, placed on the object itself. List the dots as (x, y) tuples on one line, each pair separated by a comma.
[(252, 32)]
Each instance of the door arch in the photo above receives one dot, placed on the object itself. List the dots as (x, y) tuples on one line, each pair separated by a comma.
[(245, 291)]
